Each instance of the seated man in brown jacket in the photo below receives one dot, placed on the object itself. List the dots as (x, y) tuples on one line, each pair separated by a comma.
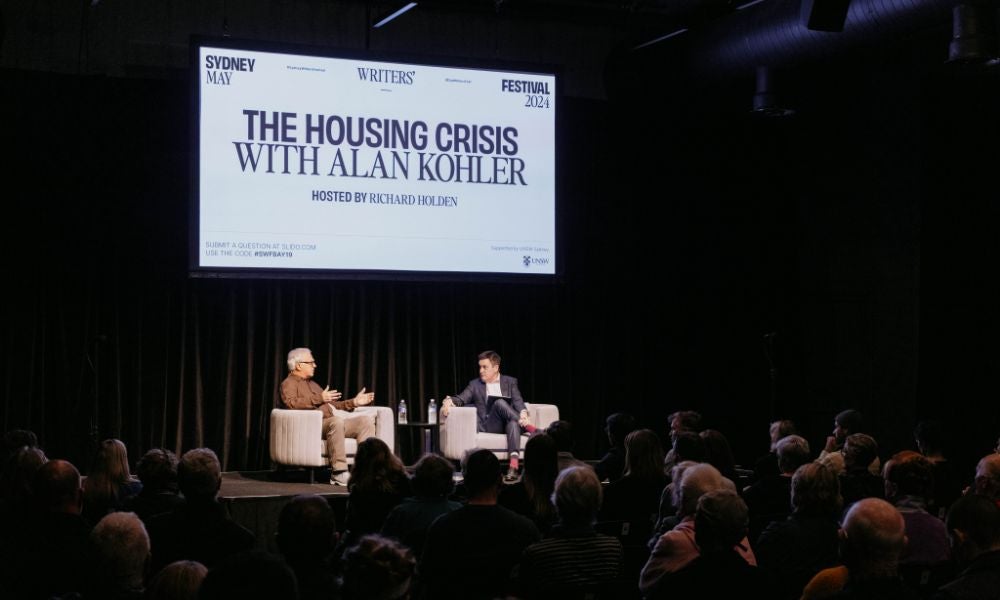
[(299, 391)]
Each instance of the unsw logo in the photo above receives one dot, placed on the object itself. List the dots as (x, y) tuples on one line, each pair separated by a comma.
[(529, 260)]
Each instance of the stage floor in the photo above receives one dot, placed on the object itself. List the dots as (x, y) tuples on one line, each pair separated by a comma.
[(241, 485)]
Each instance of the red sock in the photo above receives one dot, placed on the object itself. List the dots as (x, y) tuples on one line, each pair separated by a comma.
[(530, 428), (513, 462)]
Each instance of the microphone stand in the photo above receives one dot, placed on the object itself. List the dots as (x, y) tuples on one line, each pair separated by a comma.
[(772, 370)]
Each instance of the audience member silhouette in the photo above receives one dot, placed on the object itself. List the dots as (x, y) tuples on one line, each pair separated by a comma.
[(974, 525), (793, 551), (770, 498), (250, 575), (676, 548), (561, 433), (200, 529), (377, 568), (719, 454), (873, 539), (120, 557), (157, 470), (931, 439), (469, 553), (768, 464), (532, 495), (719, 571), (682, 421), (909, 479), (307, 535), (857, 481), (377, 485), (179, 580), (611, 467), (987, 482), (636, 496), (846, 423), (432, 484), (573, 561), (110, 483)]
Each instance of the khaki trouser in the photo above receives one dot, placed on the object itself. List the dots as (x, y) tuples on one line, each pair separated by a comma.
[(357, 425)]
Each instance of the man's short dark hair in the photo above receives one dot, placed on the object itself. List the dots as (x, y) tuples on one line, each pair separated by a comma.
[(688, 445), (306, 527), (491, 356), (978, 517), (378, 568), (56, 484), (816, 491), (688, 420), (851, 420), (157, 470), (930, 435), (481, 471), (561, 433), (912, 474), (433, 477), (618, 426)]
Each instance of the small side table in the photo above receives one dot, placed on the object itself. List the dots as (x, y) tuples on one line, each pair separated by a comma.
[(427, 440)]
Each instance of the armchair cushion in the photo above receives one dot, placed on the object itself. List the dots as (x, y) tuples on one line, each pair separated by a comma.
[(458, 431), (296, 435)]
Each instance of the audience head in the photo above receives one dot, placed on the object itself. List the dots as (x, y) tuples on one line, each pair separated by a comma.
[(617, 427), (433, 477), (931, 437), (157, 470), (793, 452), (541, 466), (697, 481), (481, 473), (974, 526), (374, 467), (643, 455), (15, 439), (57, 488), (860, 449), (19, 471), (249, 576), (561, 433), (121, 550), (179, 580), (377, 568), (781, 429), (684, 420), (306, 528), (816, 491), (721, 521), (199, 475), (908, 473), (688, 445), (718, 453), (847, 422), (577, 496), (874, 535), (988, 477)]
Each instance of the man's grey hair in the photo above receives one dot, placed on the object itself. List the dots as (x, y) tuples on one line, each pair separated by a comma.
[(793, 452), (577, 496), (199, 474), (121, 546), (697, 481), (295, 356)]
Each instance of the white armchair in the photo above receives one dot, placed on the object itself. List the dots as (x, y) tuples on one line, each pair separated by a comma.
[(458, 430), (296, 436)]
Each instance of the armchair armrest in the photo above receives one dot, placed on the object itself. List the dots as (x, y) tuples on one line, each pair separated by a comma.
[(296, 437), (458, 431), (385, 423), (542, 415)]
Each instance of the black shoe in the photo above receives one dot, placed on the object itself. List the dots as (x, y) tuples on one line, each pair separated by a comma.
[(511, 475)]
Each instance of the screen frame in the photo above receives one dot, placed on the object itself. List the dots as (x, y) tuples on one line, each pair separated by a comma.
[(195, 270)]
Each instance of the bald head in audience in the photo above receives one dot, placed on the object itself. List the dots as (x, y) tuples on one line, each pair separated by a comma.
[(874, 534)]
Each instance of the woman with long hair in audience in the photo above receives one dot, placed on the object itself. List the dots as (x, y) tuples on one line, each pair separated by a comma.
[(636, 496), (719, 454), (378, 483), (532, 496), (110, 483)]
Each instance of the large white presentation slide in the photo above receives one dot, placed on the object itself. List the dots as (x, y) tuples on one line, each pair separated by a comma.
[(337, 164)]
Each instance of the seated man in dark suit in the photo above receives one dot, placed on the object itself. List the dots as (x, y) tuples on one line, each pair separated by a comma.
[(974, 524), (499, 416)]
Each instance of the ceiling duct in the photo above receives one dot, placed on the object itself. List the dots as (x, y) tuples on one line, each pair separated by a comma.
[(772, 33)]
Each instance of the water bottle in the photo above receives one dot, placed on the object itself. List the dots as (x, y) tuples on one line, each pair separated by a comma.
[(432, 412), (402, 412)]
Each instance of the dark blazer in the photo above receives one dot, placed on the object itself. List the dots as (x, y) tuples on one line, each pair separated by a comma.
[(474, 394)]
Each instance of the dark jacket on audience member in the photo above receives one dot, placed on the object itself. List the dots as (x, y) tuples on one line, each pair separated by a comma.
[(366, 511), (979, 581), (411, 519), (199, 531), (793, 550), (612, 465)]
